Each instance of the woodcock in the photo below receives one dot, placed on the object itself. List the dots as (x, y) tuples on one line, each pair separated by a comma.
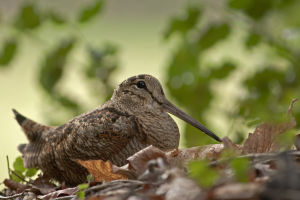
[(135, 117)]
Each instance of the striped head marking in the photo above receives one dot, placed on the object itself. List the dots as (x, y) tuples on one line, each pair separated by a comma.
[(141, 90)]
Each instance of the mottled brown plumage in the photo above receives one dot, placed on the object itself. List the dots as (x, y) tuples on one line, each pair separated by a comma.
[(134, 118)]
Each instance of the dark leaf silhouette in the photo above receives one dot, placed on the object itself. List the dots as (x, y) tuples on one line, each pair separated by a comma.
[(55, 18), (8, 51), (185, 23), (255, 9), (252, 40), (53, 66), (212, 35), (29, 17), (91, 11)]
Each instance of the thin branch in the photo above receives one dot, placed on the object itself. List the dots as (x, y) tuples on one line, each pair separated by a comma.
[(12, 197), (66, 197), (290, 110), (8, 168), (17, 175), (257, 156)]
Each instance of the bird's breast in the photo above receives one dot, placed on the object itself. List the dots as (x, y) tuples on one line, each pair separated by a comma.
[(160, 129)]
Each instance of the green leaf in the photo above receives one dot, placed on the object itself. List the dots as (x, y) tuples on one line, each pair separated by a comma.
[(287, 139), (83, 186), (91, 11), (223, 71), (252, 40), (265, 90), (67, 102), (18, 165), (185, 23), (255, 9), (54, 63), (8, 52), (185, 80), (240, 5), (16, 178), (90, 178), (80, 195), (29, 17), (284, 3), (202, 173), (240, 167), (55, 18), (102, 62), (212, 35), (31, 172)]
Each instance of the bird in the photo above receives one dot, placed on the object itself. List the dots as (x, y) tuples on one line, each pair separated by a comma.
[(136, 116)]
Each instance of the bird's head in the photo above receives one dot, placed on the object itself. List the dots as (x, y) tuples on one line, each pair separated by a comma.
[(144, 92)]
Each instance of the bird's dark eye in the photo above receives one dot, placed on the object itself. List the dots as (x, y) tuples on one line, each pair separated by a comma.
[(141, 84)]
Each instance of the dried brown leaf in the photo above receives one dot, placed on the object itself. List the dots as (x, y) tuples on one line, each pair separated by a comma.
[(182, 156), (138, 161), (101, 170), (13, 185), (228, 144), (59, 193), (41, 185), (263, 138), (178, 186), (124, 170), (96, 198), (237, 191)]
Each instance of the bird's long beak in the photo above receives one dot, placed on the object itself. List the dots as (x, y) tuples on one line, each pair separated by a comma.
[(182, 115)]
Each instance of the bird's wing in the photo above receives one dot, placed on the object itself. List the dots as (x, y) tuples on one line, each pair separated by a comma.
[(105, 134)]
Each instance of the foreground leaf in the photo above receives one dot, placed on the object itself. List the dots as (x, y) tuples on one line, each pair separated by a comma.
[(138, 161), (18, 165), (59, 193), (240, 167), (102, 171), (31, 172), (237, 191), (13, 185), (202, 173), (43, 186), (263, 139), (181, 157)]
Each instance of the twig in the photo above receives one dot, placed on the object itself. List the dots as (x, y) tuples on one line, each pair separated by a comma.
[(65, 197), (12, 196), (256, 156), (17, 175), (290, 110), (7, 161), (113, 185)]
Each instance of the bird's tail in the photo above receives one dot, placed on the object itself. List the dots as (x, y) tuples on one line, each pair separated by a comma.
[(33, 132)]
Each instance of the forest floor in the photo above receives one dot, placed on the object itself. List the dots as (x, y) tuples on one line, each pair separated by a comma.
[(265, 166)]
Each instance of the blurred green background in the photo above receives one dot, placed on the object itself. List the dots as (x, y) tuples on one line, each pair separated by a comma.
[(232, 64)]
